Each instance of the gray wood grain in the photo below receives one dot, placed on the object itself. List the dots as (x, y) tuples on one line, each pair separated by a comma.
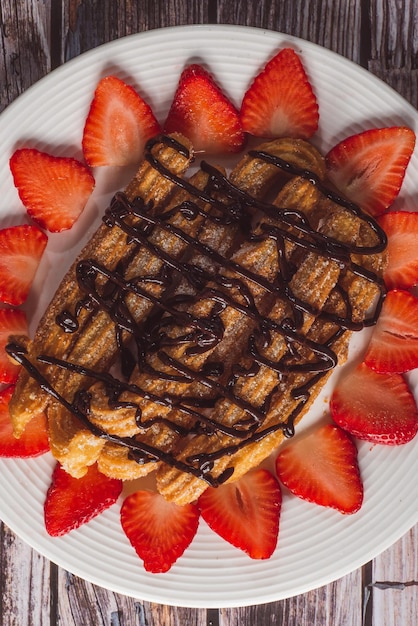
[(35, 37)]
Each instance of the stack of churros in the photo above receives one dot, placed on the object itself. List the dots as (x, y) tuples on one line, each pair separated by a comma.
[(201, 321)]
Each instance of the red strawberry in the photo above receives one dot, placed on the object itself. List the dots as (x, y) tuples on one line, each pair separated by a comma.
[(12, 322), (21, 249), (71, 502), (245, 512), (118, 125), (201, 112), (321, 467), (160, 531), (33, 441), (54, 190), (280, 101), (393, 346), (375, 407), (369, 168), (401, 228)]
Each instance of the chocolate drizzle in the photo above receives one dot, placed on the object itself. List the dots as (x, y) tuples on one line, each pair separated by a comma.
[(224, 284)]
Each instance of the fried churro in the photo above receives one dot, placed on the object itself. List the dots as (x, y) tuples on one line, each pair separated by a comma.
[(238, 297)]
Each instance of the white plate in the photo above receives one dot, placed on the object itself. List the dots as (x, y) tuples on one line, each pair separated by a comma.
[(316, 546)]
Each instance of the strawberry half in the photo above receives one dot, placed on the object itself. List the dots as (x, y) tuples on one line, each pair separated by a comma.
[(158, 530), (12, 322), (202, 112), (53, 189), (71, 502), (245, 512), (34, 439), (321, 467), (280, 101), (21, 249), (369, 168), (401, 228), (375, 407), (393, 346), (118, 125)]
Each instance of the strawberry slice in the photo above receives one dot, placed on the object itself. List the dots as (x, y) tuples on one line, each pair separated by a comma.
[(202, 112), (159, 531), (71, 502), (401, 228), (369, 168), (53, 189), (21, 249), (118, 125), (375, 407), (34, 439), (321, 467), (393, 346), (245, 512), (280, 101), (12, 322)]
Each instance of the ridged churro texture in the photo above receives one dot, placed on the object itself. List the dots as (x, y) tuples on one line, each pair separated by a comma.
[(239, 295)]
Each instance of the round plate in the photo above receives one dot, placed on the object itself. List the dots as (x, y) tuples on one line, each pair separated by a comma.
[(316, 545)]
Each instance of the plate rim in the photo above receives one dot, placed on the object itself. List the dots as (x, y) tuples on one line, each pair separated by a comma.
[(84, 58)]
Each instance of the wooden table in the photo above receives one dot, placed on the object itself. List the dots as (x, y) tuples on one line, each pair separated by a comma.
[(36, 37)]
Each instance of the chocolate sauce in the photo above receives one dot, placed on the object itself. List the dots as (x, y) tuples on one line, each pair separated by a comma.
[(224, 285)]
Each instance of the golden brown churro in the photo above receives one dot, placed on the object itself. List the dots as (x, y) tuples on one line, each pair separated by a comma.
[(238, 296)]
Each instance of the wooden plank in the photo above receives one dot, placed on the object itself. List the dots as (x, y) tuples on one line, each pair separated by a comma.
[(334, 24), (395, 583), (80, 602), (24, 45), (24, 583), (91, 23), (393, 54), (342, 600)]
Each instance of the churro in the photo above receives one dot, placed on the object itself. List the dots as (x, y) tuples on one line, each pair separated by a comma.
[(239, 295)]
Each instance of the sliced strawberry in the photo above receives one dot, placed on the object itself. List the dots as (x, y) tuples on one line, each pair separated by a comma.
[(280, 101), (245, 512), (202, 112), (369, 168), (34, 440), (375, 407), (159, 531), (321, 467), (393, 346), (21, 249), (401, 228), (71, 502), (53, 189), (12, 322), (118, 125)]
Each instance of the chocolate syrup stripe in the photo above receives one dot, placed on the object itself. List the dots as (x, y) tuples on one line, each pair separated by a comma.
[(295, 229)]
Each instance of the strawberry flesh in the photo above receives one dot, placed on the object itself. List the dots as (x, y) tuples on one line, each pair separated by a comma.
[(202, 112), (54, 190), (375, 407), (369, 168), (118, 125), (245, 512), (401, 228), (12, 322), (158, 530), (393, 347), (34, 439), (21, 249), (71, 502), (280, 102), (321, 467)]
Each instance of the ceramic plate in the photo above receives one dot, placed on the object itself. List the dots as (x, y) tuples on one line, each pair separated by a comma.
[(316, 546)]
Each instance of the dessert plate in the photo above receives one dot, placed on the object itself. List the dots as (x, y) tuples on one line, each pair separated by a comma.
[(316, 545)]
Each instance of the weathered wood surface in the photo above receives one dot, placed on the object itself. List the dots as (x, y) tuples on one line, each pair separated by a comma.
[(35, 37)]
